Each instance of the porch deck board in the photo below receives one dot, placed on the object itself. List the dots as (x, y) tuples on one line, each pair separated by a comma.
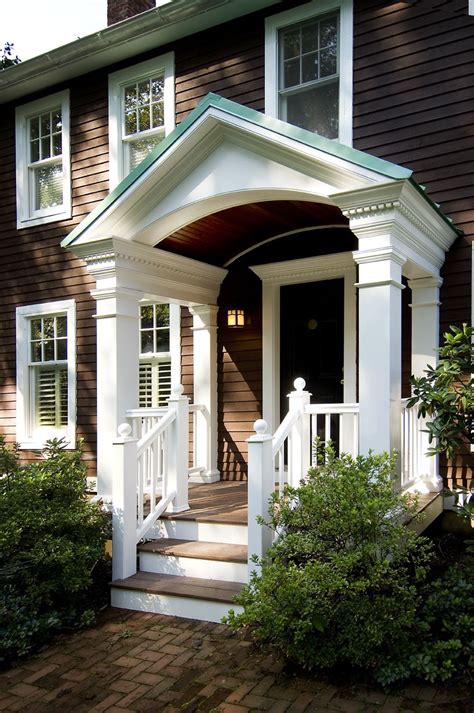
[(226, 502), (222, 502)]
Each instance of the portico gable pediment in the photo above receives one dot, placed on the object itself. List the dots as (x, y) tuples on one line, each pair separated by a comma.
[(224, 155)]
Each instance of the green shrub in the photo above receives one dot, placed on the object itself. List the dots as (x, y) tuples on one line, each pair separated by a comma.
[(340, 586), (51, 539)]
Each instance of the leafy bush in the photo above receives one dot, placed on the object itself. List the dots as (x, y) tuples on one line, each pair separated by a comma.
[(339, 585), (446, 393), (51, 539)]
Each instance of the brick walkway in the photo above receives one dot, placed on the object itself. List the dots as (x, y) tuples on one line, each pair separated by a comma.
[(146, 662)]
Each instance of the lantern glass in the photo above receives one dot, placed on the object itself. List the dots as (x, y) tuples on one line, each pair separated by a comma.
[(235, 318)]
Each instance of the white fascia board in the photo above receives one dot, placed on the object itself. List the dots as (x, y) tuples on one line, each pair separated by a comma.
[(127, 216), (147, 31), (157, 273), (320, 267)]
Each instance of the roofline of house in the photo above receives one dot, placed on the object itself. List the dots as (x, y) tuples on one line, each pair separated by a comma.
[(152, 29)]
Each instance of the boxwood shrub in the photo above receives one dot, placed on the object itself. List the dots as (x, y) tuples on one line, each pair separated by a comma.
[(51, 542)]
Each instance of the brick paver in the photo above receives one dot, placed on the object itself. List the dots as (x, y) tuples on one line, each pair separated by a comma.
[(140, 662)]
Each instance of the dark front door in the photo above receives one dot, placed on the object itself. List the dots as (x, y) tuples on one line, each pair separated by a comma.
[(312, 340)]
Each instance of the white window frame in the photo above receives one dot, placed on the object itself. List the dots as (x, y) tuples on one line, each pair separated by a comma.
[(26, 215), (174, 353), (117, 82), (27, 435), (315, 9)]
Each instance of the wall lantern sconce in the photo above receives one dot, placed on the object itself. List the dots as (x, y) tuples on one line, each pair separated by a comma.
[(237, 318)]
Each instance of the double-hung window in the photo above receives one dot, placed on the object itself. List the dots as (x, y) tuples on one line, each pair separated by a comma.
[(141, 112), (159, 353), (43, 171), (308, 68), (46, 373)]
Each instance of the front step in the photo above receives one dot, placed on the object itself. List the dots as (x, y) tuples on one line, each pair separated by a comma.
[(187, 526), (190, 558), (187, 597)]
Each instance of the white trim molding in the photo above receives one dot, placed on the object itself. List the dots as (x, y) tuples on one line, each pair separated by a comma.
[(118, 144), (293, 272), (27, 214), (28, 433), (162, 276), (275, 23)]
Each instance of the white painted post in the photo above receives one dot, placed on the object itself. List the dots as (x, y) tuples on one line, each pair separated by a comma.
[(380, 322), (424, 342), (178, 451), (124, 504), (205, 390), (299, 442), (261, 484), (117, 373)]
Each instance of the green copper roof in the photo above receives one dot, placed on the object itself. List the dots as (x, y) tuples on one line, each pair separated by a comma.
[(308, 138)]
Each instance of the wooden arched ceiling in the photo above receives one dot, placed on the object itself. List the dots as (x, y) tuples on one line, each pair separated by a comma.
[(222, 236)]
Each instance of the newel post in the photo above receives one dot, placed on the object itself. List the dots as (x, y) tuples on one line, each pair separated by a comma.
[(178, 451), (124, 505), (299, 442), (261, 484)]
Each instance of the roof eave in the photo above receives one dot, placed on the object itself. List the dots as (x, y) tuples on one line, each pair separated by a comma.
[(146, 31)]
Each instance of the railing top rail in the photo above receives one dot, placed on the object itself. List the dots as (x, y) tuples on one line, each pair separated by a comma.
[(143, 412), (332, 408), (154, 432), (283, 430)]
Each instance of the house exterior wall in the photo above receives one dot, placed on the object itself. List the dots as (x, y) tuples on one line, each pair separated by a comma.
[(413, 91)]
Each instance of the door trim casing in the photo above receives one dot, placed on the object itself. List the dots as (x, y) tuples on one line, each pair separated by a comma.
[(293, 272)]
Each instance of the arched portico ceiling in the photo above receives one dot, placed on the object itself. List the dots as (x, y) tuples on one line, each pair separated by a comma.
[(224, 155)]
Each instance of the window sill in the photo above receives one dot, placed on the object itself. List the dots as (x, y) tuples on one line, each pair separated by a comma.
[(53, 217), (38, 442)]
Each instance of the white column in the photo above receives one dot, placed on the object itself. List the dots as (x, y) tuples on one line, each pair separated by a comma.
[(117, 373), (424, 323), (271, 354), (205, 389), (424, 342), (380, 321)]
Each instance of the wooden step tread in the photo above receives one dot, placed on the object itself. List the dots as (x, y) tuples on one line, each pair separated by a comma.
[(173, 585), (220, 552)]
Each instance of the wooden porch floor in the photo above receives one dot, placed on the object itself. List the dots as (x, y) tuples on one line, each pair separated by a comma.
[(226, 502)]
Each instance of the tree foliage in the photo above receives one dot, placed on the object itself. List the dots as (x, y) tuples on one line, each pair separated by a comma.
[(446, 393), (7, 59)]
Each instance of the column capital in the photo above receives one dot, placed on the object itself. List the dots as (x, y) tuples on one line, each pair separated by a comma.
[(204, 316), (379, 254), (117, 301), (423, 283), (379, 267)]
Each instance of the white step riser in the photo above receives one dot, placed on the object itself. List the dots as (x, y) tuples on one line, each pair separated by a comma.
[(192, 567), (201, 531), (169, 605)]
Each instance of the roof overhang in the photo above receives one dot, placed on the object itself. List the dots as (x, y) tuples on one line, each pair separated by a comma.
[(149, 30)]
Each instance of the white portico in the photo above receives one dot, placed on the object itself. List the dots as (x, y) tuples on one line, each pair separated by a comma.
[(225, 156)]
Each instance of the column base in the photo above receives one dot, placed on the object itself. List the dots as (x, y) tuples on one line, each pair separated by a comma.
[(205, 476)]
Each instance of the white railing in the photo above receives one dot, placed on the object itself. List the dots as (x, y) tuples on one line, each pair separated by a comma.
[(337, 424), (415, 464), (143, 420), (151, 477)]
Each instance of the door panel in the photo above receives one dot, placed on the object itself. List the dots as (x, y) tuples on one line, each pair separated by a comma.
[(312, 340)]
